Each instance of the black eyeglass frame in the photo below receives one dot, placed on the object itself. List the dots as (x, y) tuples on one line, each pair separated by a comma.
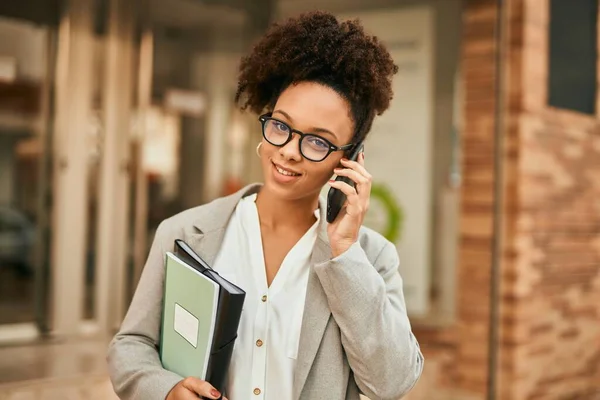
[(332, 147)]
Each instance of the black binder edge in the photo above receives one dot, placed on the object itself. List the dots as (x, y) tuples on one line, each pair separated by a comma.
[(226, 300)]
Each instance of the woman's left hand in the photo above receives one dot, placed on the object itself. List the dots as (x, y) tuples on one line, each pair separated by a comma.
[(343, 232)]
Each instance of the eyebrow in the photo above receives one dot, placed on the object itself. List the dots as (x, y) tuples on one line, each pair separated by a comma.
[(313, 130)]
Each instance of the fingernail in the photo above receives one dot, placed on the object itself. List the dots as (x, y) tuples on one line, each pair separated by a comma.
[(215, 393)]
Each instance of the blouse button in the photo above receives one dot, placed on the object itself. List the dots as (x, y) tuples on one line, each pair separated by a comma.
[(257, 391), (259, 343), (264, 298)]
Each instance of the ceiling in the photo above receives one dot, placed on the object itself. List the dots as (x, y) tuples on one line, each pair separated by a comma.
[(202, 14), (191, 14), (44, 12), (290, 7), (183, 14)]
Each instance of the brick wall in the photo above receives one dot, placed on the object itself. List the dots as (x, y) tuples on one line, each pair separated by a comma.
[(550, 302), (551, 269)]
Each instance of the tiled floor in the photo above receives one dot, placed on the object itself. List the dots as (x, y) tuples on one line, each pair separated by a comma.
[(55, 371), (52, 360), (77, 388)]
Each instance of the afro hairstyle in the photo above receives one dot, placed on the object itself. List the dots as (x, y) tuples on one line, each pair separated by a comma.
[(317, 47)]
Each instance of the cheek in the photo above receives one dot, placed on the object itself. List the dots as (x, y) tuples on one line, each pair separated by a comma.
[(268, 151), (323, 172), (334, 162)]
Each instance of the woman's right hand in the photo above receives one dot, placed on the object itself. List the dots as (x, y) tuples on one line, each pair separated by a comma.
[(190, 388)]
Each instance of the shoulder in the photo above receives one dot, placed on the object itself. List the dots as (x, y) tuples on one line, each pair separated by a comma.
[(193, 215), (186, 217)]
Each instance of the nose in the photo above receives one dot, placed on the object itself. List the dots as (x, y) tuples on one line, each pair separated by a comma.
[(291, 151)]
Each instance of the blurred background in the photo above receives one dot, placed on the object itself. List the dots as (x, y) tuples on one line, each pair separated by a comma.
[(116, 114)]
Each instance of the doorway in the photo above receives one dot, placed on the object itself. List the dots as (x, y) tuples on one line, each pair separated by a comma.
[(27, 60)]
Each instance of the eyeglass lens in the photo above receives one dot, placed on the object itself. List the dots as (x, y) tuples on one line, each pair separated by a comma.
[(312, 147)]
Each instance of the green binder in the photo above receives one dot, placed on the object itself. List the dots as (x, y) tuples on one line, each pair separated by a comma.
[(188, 321)]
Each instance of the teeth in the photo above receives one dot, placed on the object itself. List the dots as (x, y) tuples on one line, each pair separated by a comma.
[(284, 172)]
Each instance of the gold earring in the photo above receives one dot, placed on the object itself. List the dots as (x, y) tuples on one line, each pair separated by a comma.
[(258, 149)]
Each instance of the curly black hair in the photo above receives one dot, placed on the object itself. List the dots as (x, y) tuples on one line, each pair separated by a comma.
[(317, 47)]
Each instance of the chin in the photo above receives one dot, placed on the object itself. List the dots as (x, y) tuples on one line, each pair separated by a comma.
[(294, 191)]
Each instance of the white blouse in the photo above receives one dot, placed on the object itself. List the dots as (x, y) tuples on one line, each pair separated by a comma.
[(265, 352)]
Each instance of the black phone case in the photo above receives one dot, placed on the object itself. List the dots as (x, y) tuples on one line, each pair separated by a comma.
[(335, 197)]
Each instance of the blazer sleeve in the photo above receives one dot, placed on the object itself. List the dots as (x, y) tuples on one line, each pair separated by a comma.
[(133, 360), (368, 305)]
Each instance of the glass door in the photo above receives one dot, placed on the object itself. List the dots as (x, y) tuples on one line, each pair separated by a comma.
[(27, 60)]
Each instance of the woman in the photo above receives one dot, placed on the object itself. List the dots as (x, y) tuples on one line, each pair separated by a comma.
[(324, 316)]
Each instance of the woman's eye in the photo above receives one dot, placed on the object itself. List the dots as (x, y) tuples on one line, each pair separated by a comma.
[(280, 126), (319, 142)]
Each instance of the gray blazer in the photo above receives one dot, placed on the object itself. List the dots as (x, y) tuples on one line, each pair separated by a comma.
[(355, 337)]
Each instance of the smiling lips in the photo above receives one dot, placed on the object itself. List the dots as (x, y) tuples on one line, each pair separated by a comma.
[(284, 175), (285, 172)]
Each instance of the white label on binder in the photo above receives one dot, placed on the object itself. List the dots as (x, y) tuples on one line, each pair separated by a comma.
[(186, 325)]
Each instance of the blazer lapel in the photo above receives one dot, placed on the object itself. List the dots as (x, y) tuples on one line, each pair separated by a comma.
[(211, 222), (316, 312), (207, 244)]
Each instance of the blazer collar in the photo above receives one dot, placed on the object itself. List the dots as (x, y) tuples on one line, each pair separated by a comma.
[(211, 223), (216, 214)]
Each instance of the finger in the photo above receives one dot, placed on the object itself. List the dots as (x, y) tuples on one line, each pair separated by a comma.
[(357, 178), (364, 180), (356, 167), (202, 388), (186, 394), (353, 208), (361, 158), (345, 188)]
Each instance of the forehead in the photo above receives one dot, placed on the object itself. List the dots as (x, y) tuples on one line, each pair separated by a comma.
[(312, 105)]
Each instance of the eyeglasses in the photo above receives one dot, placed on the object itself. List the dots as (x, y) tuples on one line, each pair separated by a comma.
[(312, 147)]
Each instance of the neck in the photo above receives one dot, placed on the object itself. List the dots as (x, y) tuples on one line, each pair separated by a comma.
[(275, 212)]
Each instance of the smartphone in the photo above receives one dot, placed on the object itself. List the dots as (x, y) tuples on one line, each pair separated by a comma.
[(335, 197)]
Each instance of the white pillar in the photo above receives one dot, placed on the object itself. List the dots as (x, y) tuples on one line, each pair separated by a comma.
[(140, 212), (71, 153), (217, 121), (113, 211)]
